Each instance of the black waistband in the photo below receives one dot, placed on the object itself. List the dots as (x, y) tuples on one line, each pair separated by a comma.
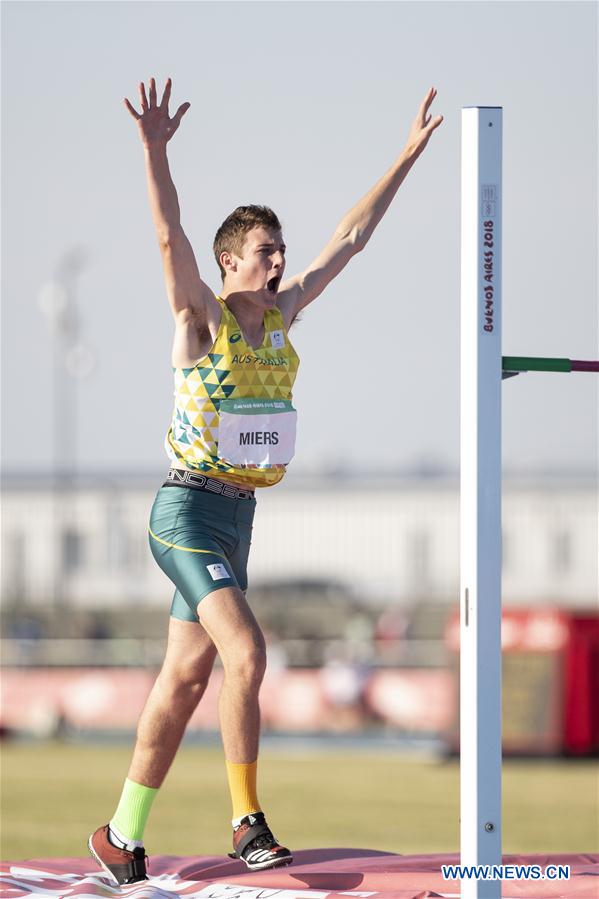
[(180, 477)]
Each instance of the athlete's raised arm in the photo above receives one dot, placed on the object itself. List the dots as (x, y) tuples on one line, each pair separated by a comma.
[(355, 229), (190, 298)]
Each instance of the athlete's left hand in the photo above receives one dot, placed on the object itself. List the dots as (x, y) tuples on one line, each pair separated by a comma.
[(422, 126)]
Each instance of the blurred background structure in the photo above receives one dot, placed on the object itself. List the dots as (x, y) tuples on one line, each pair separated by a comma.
[(355, 583)]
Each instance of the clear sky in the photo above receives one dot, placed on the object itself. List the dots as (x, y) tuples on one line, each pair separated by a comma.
[(301, 106)]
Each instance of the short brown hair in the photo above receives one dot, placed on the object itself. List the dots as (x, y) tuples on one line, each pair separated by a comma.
[(231, 235)]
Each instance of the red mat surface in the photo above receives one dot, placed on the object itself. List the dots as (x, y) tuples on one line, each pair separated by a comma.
[(316, 874)]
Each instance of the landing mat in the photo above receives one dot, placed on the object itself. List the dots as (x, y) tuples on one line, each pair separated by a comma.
[(315, 874)]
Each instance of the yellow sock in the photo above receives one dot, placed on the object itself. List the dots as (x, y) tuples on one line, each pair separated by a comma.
[(242, 784)]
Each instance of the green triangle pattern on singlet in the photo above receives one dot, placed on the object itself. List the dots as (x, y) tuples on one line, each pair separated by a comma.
[(206, 373)]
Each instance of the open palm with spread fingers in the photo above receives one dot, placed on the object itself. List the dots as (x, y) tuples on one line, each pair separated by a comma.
[(154, 124), (423, 125)]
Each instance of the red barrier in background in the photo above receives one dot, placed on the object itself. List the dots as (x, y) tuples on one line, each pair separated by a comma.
[(333, 699), (550, 691), (581, 687), (550, 680)]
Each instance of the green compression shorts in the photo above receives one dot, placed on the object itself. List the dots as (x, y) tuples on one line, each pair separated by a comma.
[(201, 540)]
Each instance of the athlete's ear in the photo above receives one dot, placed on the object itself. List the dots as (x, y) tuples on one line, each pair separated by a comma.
[(228, 262)]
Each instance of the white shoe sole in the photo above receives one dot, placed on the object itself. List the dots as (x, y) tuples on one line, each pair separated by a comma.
[(277, 863)]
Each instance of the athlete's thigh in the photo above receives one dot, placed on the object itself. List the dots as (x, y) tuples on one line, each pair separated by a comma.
[(230, 622)]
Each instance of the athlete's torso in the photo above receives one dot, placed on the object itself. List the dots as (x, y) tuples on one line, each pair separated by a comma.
[(215, 428)]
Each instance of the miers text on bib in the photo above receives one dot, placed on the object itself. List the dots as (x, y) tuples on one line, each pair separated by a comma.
[(256, 432)]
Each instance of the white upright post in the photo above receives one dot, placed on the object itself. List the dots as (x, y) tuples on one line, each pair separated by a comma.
[(480, 498)]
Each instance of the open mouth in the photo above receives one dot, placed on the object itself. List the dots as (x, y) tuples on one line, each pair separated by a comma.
[(272, 285)]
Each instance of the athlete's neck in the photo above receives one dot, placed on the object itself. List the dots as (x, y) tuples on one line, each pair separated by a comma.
[(248, 308)]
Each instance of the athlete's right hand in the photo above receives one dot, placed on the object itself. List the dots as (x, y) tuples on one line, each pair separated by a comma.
[(154, 124)]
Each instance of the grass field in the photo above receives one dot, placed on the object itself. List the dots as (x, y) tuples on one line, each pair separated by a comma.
[(55, 794)]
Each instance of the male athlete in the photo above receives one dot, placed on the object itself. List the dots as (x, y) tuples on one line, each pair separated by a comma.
[(233, 429)]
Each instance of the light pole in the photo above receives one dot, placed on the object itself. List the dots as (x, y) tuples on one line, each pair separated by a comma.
[(71, 360)]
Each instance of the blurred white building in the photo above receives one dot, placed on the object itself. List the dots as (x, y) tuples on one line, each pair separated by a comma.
[(393, 539)]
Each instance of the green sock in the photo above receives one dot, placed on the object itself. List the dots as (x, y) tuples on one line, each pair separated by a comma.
[(133, 809)]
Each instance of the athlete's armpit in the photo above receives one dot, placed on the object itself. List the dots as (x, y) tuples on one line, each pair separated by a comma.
[(193, 337)]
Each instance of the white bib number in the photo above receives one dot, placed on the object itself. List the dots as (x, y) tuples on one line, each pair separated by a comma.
[(257, 433)]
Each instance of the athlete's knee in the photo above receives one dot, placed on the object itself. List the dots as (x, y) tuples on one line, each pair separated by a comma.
[(187, 676), (180, 692), (246, 661)]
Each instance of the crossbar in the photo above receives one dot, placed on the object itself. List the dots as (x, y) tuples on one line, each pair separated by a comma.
[(539, 363)]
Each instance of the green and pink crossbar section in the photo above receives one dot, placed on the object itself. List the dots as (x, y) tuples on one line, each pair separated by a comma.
[(482, 370), (516, 364)]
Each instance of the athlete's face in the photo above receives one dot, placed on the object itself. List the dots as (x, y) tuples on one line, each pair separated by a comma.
[(261, 268)]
